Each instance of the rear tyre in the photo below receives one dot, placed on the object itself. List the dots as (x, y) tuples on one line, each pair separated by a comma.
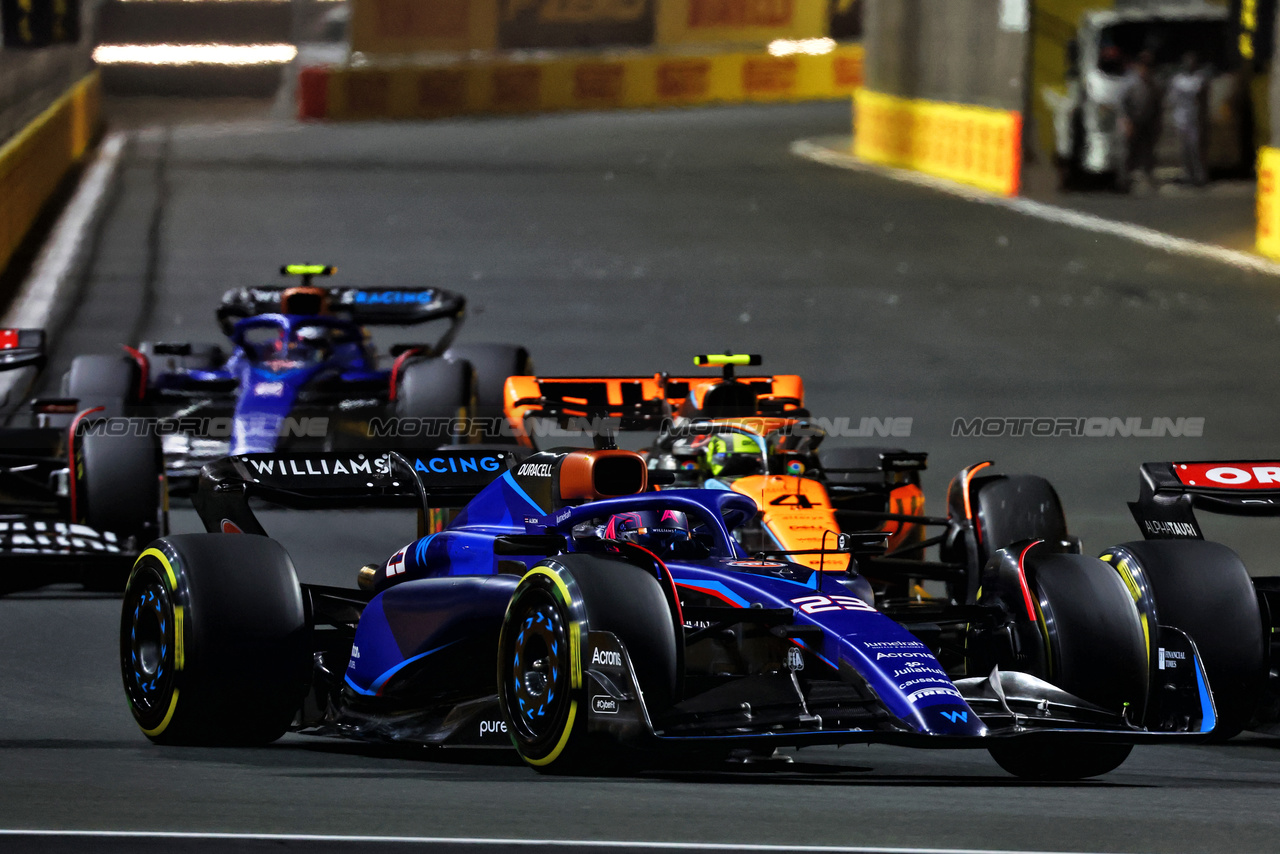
[(106, 381), (492, 364), (541, 684), (1096, 650), (213, 640), (438, 396), (118, 484), (1204, 589)]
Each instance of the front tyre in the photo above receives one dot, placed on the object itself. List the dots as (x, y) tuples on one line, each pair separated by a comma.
[(1094, 648), (540, 655), (213, 640), (541, 680), (1204, 589)]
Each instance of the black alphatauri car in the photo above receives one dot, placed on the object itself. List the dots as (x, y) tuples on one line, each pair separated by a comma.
[(79, 496)]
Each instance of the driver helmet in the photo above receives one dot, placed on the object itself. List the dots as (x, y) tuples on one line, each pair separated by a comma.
[(314, 335), (656, 530), (732, 455)]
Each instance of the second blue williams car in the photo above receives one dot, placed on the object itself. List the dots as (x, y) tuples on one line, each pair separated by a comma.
[(572, 612), (299, 371)]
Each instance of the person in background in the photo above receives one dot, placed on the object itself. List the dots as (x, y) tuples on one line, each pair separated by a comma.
[(1188, 99), (1140, 107)]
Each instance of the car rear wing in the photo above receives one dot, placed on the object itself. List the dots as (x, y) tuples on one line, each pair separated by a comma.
[(366, 306), (21, 348), (334, 480), (637, 402), (1170, 493)]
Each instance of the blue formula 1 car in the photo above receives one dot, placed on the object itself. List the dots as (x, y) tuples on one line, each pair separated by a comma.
[(302, 373), (569, 611)]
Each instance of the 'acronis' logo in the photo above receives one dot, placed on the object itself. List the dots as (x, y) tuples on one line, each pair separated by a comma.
[(457, 465)]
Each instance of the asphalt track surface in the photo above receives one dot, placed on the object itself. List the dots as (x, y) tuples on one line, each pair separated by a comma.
[(625, 243)]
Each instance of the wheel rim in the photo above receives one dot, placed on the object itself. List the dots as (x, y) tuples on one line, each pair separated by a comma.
[(538, 676), (147, 646)]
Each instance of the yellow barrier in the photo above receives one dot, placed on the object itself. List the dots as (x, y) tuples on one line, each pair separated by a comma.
[(604, 80), (1269, 202), (34, 162), (738, 21), (978, 146)]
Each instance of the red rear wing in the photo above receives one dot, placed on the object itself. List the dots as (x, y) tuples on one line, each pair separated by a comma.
[(1170, 493), (20, 348)]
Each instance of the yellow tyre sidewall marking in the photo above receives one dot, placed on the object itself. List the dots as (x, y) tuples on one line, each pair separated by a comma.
[(168, 716), (179, 647), (1131, 584), (575, 667)]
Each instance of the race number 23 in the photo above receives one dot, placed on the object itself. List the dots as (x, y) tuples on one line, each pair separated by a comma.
[(819, 604)]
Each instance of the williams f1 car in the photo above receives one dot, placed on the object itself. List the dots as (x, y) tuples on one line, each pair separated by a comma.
[(576, 614), (300, 373), (77, 502)]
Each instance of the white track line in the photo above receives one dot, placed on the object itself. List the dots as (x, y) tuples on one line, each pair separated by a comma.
[(1051, 213), (37, 304), (504, 843)]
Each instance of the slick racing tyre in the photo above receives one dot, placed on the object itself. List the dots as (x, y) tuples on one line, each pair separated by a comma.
[(213, 640), (1095, 649), (492, 364), (1006, 509), (1013, 507), (541, 682), (116, 482), (106, 381), (438, 396), (1205, 590)]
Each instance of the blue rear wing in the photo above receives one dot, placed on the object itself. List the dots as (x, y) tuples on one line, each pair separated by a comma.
[(371, 306), (331, 480)]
